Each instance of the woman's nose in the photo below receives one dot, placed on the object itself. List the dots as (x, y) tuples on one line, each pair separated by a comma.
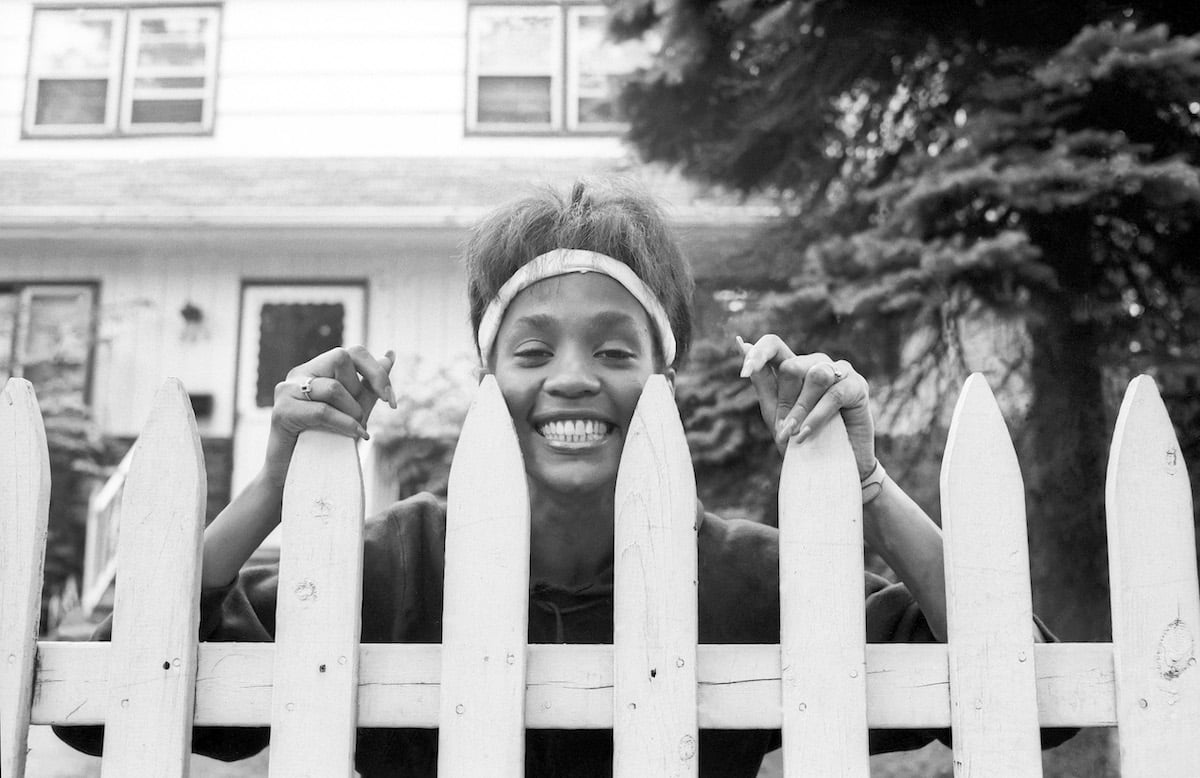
[(572, 376)]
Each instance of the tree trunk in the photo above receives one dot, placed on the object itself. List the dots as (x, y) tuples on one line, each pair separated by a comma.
[(1063, 448)]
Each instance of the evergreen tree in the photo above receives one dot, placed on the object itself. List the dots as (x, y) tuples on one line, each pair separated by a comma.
[(939, 163)]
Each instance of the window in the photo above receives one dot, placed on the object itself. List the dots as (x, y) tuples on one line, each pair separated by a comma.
[(46, 338), (546, 68), (121, 71)]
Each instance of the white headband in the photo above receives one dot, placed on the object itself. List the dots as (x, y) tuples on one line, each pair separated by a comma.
[(560, 262)]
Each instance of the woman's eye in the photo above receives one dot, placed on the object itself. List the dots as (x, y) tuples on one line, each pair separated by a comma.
[(532, 352), (615, 353)]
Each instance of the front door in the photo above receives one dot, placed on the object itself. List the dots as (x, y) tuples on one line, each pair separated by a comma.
[(283, 326)]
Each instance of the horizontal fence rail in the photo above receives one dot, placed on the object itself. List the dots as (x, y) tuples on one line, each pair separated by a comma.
[(822, 686)]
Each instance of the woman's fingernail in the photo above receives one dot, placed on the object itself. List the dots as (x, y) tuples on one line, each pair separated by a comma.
[(362, 433), (803, 434), (786, 428)]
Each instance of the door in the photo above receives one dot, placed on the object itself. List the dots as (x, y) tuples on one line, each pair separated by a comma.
[(283, 326)]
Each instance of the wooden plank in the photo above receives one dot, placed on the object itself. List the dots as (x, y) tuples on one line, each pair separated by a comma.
[(822, 623), (156, 614), (989, 605), (485, 612), (655, 612), (571, 686), (1156, 597), (318, 610), (24, 513)]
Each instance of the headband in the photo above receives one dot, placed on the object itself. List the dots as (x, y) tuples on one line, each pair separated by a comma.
[(561, 262)]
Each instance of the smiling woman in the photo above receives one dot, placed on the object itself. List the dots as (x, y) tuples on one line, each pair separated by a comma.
[(576, 302)]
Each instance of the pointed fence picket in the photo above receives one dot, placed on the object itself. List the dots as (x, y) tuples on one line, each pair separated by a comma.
[(152, 671), (821, 686), (24, 514), (1156, 597), (989, 604), (655, 620), (486, 597), (314, 708), (822, 623)]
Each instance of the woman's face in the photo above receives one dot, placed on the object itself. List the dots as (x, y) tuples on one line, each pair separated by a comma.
[(571, 357)]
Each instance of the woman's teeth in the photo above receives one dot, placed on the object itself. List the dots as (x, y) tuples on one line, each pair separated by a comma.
[(574, 431)]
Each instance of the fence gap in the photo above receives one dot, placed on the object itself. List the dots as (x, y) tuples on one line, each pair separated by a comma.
[(655, 612), (318, 610), (485, 614), (25, 497), (989, 606), (152, 668), (822, 620), (1155, 594)]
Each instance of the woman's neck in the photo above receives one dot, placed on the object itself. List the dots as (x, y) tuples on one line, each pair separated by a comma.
[(572, 536)]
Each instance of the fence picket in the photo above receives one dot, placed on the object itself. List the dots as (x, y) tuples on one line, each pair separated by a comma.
[(655, 626), (318, 611), (822, 621), (25, 497), (1156, 597), (989, 614), (485, 621), (152, 673)]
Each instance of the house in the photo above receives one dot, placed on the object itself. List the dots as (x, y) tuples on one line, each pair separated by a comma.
[(218, 190)]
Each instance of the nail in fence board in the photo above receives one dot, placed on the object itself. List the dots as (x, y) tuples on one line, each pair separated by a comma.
[(655, 729), (318, 611), (822, 620), (485, 621), (152, 675), (25, 495), (1156, 598), (989, 609)]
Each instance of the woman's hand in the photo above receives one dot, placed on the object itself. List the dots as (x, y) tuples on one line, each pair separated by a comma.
[(343, 385), (799, 394)]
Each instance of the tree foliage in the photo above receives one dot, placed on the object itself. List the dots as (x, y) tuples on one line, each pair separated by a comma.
[(932, 160)]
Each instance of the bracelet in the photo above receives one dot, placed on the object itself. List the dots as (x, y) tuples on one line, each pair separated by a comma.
[(872, 484)]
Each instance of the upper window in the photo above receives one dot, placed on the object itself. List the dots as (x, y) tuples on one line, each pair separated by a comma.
[(122, 71), (546, 68)]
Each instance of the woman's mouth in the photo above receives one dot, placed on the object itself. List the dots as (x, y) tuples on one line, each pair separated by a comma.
[(575, 433)]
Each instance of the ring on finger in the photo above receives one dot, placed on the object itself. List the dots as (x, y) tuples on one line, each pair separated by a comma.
[(306, 387), (838, 372)]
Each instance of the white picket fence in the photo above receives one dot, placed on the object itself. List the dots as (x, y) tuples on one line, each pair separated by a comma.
[(655, 687)]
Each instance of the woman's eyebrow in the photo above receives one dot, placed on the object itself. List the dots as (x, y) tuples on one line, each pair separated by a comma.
[(535, 321), (614, 319)]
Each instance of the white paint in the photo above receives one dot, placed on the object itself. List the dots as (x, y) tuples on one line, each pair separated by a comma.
[(25, 497), (655, 627), (822, 620), (1156, 597), (152, 667), (414, 283), (571, 686), (989, 609), (485, 612), (318, 611), (299, 78)]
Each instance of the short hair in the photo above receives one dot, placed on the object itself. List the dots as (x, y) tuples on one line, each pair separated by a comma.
[(613, 217)]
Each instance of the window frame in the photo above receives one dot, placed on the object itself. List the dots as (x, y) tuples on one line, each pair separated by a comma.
[(24, 292), (564, 88), (550, 11), (123, 69)]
